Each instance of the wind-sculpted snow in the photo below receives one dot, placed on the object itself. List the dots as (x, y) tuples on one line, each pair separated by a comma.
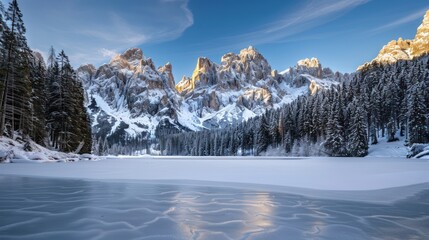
[(46, 208)]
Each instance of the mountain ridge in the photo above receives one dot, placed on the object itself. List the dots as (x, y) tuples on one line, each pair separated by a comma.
[(129, 97)]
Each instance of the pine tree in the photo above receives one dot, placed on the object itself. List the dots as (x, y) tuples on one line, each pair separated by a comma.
[(373, 131), (391, 130), (68, 122), (2, 24), (262, 135), (2, 57), (16, 89), (274, 133), (335, 141), (38, 100), (358, 144), (288, 143), (417, 118), (52, 58)]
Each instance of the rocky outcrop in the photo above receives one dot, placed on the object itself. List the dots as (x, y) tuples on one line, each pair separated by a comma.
[(311, 66), (167, 71), (255, 98), (309, 74), (404, 49), (205, 74), (420, 44), (185, 85)]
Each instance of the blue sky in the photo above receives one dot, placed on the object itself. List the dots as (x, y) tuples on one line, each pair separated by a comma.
[(342, 33)]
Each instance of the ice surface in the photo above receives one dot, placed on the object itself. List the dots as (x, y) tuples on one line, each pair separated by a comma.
[(46, 208), (311, 173)]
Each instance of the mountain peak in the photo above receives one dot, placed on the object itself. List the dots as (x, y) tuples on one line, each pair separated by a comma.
[(168, 70), (133, 54), (404, 49), (250, 53), (205, 73), (426, 18), (310, 66), (309, 63), (420, 45)]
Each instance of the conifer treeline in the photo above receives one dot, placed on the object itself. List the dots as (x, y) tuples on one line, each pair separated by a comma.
[(383, 100), (45, 103)]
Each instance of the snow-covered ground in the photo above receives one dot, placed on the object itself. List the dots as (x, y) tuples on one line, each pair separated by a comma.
[(16, 151), (388, 149), (310, 176), (344, 174)]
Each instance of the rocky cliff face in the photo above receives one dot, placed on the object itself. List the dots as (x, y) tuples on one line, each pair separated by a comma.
[(240, 87), (129, 97), (244, 85), (404, 49)]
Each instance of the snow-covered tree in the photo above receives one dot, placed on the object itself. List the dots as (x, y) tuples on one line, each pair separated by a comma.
[(417, 118), (358, 141), (335, 144)]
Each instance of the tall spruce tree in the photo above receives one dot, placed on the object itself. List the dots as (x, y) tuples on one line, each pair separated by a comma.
[(38, 100), (417, 118), (3, 55), (15, 96), (335, 144), (358, 141), (262, 139)]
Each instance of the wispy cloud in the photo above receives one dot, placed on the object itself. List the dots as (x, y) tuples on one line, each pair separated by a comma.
[(118, 31), (92, 31), (406, 19), (108, 52), (312, 14)]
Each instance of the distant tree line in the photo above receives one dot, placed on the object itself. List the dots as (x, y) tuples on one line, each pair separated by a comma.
[(44, 103), (380, 101), (124, 145)]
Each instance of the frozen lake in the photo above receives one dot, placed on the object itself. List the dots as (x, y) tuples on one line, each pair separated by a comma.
[(60, 208)]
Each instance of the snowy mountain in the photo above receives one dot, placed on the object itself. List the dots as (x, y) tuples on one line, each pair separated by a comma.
[(244, 85), (404, 49), (311, 74), (129, 97)]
